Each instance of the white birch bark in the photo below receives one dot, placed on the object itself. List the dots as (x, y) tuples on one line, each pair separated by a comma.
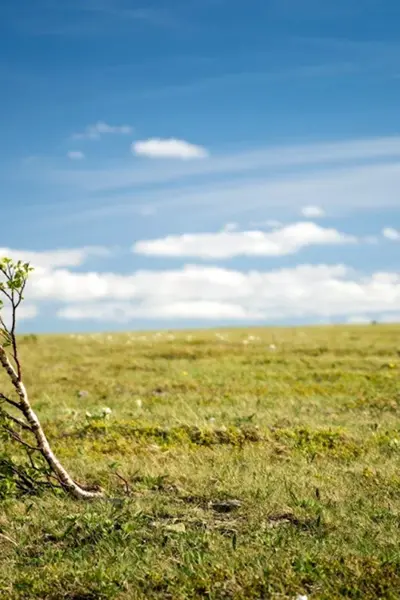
[(42, 443)]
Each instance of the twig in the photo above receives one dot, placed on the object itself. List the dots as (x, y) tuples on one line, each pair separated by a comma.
[(19, 439), (30, 458), (15, 305), (24, 482), (3, 325), (38, 470), (21, 291), (7, 295), (16, 421), (128, 489), (20, 423), (12, 402)]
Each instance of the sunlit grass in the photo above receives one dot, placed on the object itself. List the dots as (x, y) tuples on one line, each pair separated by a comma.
[(253, 464)]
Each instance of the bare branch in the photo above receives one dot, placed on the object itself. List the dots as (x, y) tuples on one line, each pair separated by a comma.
[(12, 333), (7, 294), (3, 325), (30, 458), (19, 439), (38, 470), (15, 305), (12, 402), (23, 481), (125, 482), (20, 423), (16, 420)]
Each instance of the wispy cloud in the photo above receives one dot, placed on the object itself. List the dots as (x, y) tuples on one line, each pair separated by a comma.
[(56, 258), (340, 176), (312, 212), (124, 312), (168, 148), (295, 156), (96, 131), (75, 155), (227, 244), (75, 18), (122, 12), (342, 190), (268, 224), (147, 210), (312, 9), (231, 227), (239, 79)]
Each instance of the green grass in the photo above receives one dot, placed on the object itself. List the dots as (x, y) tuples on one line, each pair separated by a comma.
[(251, 472)]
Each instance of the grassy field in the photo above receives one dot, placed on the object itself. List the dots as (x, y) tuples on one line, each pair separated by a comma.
[(251, 463)]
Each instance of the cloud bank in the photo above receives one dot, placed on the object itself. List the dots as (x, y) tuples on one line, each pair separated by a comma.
[(215, 294)]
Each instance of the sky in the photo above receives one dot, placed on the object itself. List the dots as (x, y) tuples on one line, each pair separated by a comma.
[(198, 163)]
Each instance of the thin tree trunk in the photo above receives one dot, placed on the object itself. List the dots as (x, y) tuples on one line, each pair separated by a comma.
[(43, 445)]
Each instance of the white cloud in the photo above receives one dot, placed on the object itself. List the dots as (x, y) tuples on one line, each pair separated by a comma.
[(213, 293), (27, 311), (227, 244), (94, 132), (391, 234), (24, 312), (168, 148), (55, 258), (75, 155), (312, 212)]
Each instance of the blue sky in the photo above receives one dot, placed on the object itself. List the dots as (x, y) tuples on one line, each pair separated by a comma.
[(201, 162)]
